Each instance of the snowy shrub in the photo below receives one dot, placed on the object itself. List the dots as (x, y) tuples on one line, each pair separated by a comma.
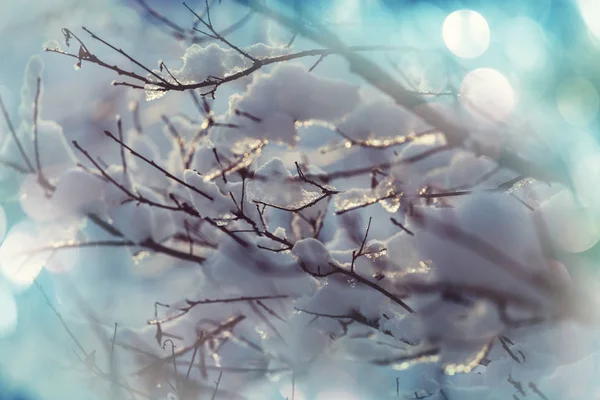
[(301, 235)]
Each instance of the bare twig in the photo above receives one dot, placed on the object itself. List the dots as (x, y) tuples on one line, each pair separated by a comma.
[(11, 128), (120, 130), (156, 166), (214, 395), (193, 303)]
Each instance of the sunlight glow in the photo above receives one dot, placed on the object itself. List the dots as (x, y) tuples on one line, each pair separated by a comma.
[(487, 93), (466, 33), (590, 12)]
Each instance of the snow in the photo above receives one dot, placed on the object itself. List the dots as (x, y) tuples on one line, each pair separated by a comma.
[(114, 195), (202, 62), (467, 265), (133, 220), (276, 187), (312, 253), (378, 120), (218, 207), (415, 175), (78, 191), (513, 235), (210, 63), (291, 89), (286, 96), (33, 201), (55, 155), (464, 170)]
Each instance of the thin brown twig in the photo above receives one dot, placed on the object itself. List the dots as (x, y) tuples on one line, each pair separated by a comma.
[(336, 269), (214, 395), (120, 130), (13, 132), (136, 197), (193, 303), (158, 167), (208, 24)]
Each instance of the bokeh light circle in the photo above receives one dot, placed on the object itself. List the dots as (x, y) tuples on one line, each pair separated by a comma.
[(585, 173), (590, 12), (487, 93), (525, 43), (569, 226), (466, 33), (18, 262), (577, 101)]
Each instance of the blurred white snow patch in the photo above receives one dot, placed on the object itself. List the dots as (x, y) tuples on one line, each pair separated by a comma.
[(113, 195), (465, 169), (78, 191), (514, 235), (133, 221), (378, 119), (280, 127), (302, 95), (218, 207), (276, 187), (414, 175)]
